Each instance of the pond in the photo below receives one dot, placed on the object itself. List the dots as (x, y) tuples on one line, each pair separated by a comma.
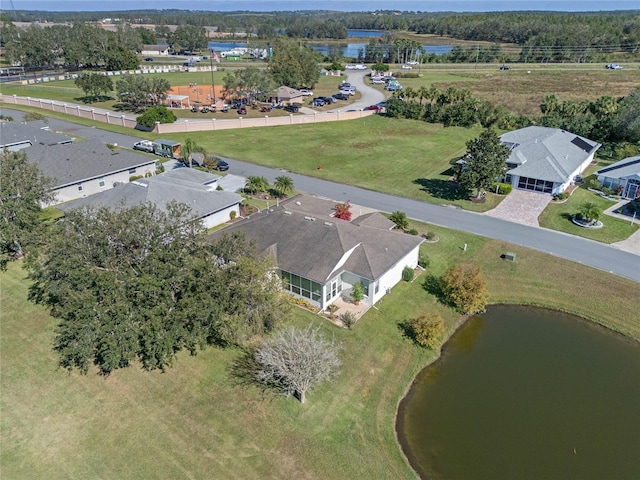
[(526, 393)]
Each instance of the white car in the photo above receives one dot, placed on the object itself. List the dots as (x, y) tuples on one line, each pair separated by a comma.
[(412, 62), (614, 66), (306, 92), (407, 67)]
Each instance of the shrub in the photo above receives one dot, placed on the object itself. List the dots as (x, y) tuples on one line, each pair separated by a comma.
[(159, 167), (400, 219), (332, 309), (427, 330), (159, 113), (595, 184), (348, 319), (560, 196), (343, 211), (503, 188), (407, 274), (429, 235), (148, 174), (464, 287), (357, 292), (219, 188), (133, 178), (423, 260), (380, 67), (232, 214), (413, 231)]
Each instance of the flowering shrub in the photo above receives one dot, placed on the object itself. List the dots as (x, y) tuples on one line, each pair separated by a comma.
[(343, 211)]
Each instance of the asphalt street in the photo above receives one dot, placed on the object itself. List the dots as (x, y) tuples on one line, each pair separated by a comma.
[(577, 249)]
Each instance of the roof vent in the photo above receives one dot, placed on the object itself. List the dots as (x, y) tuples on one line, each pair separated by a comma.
[(287, 212), (311, 219), (328, 224)]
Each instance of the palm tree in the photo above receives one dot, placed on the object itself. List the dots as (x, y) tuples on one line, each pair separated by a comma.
[(283, 185), (188, 148), (256, 184), (589, 212)]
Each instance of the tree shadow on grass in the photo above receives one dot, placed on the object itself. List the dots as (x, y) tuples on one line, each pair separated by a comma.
[(447, 190), (243, 373), (568, 217)]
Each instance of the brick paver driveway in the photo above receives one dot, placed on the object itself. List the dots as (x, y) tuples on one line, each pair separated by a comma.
[(521, 206)]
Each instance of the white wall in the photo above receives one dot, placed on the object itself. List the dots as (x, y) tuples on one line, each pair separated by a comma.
[(89, 187), (223, 216), (389, 279)]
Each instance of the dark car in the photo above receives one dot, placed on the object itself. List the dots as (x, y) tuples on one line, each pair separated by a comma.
[(318, 102), (341, 96), (328, 100), (265, 109), (242, 111), (505, 67), (292, 108), (222, 166), (148, 59)]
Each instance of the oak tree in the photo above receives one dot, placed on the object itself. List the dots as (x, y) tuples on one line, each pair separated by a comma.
[(23, 192), (464, 287)]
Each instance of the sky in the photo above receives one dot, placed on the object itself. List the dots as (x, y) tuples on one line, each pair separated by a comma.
[(340, 5)]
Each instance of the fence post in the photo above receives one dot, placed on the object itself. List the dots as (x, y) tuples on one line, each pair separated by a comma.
[(93, 114), (186, 125)]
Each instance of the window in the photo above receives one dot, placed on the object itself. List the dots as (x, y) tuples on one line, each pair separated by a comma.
[(376, 288), (79, 188), (101, 182), (132, 171)]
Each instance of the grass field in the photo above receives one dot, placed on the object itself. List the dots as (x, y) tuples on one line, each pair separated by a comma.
[(198, 420)]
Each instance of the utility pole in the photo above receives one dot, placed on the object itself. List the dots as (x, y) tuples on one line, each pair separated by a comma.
[(213, 85)]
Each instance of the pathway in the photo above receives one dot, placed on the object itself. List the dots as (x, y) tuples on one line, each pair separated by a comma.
[(521, 206)]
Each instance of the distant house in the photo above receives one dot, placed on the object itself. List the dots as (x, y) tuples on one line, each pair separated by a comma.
[(623, 175), (17, 136), (546, 160), (183, 185), (84, 168), (288, 95), (319, 257), (159, 50)]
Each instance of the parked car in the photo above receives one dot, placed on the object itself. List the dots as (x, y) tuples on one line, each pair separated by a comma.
[(407, 67), (222, 166), (345, 85), (242, 111), (306, 92), (292, 108), (413, 62), (328, 100), (144, 146), (318, 102), (505, 67), (376, 108), (265, 109), (148, 59), (194, 109), (348, 91), (341, 96), (613, 66)]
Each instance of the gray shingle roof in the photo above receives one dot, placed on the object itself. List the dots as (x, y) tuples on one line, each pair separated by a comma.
[(313, 246), (627, 167), (12, 133), (74, 162), (375, 219), (160, 190), (287, 93), (547, 153)]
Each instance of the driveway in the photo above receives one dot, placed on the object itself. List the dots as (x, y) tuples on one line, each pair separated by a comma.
[(521, 206), (370, 96)]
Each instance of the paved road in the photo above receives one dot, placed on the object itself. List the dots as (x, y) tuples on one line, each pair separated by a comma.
[(577, 249)]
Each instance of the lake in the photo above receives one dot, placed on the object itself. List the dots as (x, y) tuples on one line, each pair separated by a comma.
[(526, 393)]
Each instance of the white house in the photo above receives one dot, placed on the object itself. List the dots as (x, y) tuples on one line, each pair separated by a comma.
[(545, 159), (157, 50), (319, 256), (623, 176), (183, 185), (89, 167)]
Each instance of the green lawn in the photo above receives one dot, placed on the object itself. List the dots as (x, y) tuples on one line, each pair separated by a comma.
[(400, 157), (197, 420), (557, 216)]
